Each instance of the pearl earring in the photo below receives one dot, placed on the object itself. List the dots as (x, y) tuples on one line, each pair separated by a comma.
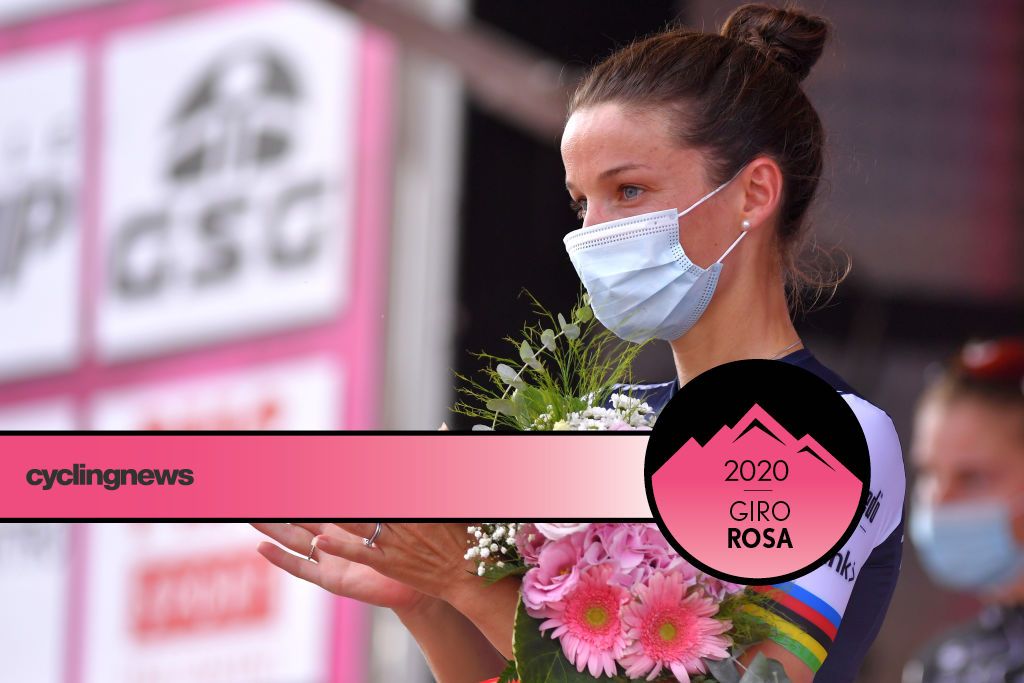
[(745, 225)]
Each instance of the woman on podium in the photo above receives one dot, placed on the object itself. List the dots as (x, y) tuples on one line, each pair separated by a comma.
[(696, 155)]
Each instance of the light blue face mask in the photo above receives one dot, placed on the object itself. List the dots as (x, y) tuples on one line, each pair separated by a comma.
[(967, 545), (641, 283)]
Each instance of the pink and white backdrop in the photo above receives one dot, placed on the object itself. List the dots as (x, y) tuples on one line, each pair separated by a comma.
[(193, 234), (182, 603), (193, 226)]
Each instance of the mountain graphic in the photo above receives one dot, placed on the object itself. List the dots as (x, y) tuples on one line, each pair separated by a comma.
[(758, 421), (697, 488)]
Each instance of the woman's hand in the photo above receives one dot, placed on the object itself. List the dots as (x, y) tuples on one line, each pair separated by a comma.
[(333, 572), (429, 558)]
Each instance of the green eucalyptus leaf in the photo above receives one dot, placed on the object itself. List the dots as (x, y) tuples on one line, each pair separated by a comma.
[(584, 314), (724, 670), (529, 357), (503, 405), (571, 331), (509, 376), (764, 670), (547, 338), (482, 428)]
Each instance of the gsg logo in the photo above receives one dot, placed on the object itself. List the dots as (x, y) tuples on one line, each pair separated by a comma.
[(228, 207), (233, 133)]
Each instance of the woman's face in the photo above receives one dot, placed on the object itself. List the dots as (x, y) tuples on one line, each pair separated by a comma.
[(622, 162), (968, 449)]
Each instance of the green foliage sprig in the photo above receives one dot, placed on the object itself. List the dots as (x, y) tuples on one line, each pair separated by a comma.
[(557, 373)]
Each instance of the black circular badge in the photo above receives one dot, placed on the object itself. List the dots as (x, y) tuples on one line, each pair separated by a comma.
[(757, 471)]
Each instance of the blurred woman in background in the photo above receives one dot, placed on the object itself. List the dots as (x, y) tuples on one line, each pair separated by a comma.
[(967, 517)]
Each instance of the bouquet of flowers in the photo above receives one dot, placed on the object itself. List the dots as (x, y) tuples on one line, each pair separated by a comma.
[(614, 601), (609, 601), (562, 380)]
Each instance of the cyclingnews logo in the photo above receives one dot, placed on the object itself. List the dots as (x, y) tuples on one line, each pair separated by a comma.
[(111, 478)]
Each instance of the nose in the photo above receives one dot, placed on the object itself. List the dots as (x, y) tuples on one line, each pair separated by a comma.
[(931, 489), (944, 491), (595, 216)]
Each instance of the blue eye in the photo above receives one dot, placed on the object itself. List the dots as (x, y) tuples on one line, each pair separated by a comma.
[(630, 192)]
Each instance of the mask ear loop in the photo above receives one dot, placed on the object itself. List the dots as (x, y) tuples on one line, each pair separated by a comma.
[(732, 246), (708, 196), (711, 194)]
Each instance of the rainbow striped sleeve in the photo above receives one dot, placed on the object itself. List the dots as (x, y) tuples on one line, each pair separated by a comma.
[(804, 623)]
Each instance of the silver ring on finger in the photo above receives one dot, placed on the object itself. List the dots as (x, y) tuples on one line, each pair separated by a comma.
[(368, 542)]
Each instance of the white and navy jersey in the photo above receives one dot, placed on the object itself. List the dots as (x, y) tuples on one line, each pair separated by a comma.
[(986, 648), (833, 613)]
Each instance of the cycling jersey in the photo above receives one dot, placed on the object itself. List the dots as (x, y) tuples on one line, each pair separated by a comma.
[(986, 649), (832, 614)]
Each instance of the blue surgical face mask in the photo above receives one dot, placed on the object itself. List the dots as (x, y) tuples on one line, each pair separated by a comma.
[(967, 545), (641, 283)]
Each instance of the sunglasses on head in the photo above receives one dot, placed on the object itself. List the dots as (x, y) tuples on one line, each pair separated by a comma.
[(997, 361)]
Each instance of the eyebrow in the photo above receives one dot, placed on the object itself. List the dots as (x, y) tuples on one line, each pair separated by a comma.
[(613, 171)]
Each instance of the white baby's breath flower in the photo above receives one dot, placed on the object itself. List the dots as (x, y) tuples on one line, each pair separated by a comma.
[(491, 546)]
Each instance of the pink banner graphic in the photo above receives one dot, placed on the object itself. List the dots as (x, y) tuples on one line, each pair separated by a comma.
[(326, 476)]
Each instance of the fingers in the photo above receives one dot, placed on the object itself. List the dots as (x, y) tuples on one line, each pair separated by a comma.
[(296, 566), (361, 529), (337, 532), (344, 540), (349, 549), (318, 527), (291, 536)]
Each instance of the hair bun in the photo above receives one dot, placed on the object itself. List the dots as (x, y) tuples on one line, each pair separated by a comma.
[(791, 37)]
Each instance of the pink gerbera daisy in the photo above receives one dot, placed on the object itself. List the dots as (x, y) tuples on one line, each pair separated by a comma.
[(669, 630), (587, 621)]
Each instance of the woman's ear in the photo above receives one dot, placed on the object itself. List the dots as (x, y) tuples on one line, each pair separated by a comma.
[(762, 187)]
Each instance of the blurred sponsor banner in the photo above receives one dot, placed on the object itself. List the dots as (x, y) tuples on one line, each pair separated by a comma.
[(196, 602), (194, 192), (20, 10), (227, 204), (56, 415), (303, 394), (41, 159), (34, 592)]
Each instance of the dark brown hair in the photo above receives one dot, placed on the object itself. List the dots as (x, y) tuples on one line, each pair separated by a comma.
[(735, 95)]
